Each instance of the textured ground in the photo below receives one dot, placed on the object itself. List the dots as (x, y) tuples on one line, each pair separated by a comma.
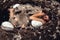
[(51, 30)]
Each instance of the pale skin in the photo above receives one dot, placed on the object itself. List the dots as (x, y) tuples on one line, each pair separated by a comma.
[(37, 14), (11, 10)]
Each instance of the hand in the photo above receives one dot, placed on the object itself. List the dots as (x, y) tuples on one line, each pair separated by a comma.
[(46, 17)]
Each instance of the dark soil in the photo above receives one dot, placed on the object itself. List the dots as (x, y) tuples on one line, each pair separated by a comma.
[(51, 30)]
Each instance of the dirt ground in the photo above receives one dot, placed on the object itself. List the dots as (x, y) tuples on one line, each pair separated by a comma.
[(51, 30)]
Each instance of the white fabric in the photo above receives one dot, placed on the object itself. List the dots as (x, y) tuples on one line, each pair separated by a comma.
[(16, 5), (7, 26), (36, 24)]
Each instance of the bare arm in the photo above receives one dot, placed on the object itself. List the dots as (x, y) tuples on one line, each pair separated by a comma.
[(37, 19), (37, 14)]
